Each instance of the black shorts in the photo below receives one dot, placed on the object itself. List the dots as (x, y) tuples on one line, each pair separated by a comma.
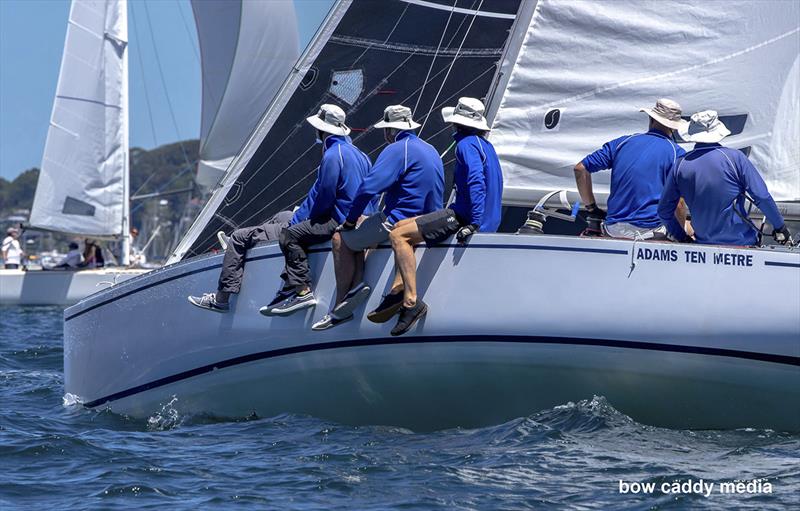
[(439, 225)]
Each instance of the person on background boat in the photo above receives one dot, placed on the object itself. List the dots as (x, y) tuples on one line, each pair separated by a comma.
[(477, 206), (714, 181), (236, 246), (72, 260), (11, 249), (411, 174), (136, 255), (639, 166), (92, 254), (340, 174)]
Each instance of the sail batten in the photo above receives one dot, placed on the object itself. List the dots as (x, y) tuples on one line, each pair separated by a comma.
[(83, 182)]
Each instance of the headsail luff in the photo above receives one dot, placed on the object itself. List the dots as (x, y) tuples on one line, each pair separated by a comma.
[(585, 68), (367, 55), (83, 182), (247, 50)]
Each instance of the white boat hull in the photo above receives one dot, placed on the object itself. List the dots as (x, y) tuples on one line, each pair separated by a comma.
[(516, 324), (38, 287)]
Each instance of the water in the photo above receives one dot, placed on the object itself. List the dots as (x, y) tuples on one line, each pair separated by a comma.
[(59, 456)]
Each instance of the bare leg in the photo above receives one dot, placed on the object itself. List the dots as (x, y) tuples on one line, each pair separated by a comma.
[(344, 266), (358, 272), (397, 283), (403, 238)]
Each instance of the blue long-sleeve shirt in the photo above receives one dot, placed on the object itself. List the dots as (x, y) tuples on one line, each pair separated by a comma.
[(639, 166), (340, 173), (411, 173), (710, 178), (479, 183)]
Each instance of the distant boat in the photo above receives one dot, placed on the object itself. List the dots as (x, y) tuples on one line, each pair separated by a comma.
[(667, 332), (83, 186)]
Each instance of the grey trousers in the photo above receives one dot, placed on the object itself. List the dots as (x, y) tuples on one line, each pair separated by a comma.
[(294, 242), (230, 280)]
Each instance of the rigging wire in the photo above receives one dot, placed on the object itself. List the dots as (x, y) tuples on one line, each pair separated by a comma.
[(455, 57), (192, 41), (144, 82), (164, 83), (436, 54)]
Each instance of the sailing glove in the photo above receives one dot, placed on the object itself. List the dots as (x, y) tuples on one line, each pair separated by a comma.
[(595, 212), (782, 235), (465, 232)]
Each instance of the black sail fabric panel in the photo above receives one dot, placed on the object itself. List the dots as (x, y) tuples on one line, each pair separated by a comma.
[(381, 53)]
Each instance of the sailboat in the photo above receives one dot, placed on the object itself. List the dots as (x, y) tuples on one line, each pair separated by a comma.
[(83, 187), (516, 323)]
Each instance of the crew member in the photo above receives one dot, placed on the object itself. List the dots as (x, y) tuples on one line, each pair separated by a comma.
[(477, 205), (714, 181), (11, 249), (639, 166), (73, 259), (410, 173)]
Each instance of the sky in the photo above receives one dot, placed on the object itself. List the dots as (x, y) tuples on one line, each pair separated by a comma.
[(32, 36)]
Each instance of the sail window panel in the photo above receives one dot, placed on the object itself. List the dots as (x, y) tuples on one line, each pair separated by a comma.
[(283, 167)]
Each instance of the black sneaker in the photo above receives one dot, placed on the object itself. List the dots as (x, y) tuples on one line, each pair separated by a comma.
[(389, 306), (409, 317), (290, 305), (209, 302), (280, 296)]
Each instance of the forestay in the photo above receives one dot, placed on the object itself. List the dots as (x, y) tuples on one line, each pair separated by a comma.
[(82, 186), (585, 68), (366, 55), (247, 48)]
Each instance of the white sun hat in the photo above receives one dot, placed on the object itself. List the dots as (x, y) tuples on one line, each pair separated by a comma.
[(705, 127), (468, 112), (666, 112), (330, 119), (399, 117)]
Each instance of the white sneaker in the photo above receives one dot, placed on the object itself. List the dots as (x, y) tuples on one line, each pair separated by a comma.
[(329, 321), (224, 239)]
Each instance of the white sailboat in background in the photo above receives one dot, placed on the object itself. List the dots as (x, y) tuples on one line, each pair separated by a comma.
[(516, 323), (84, 185)]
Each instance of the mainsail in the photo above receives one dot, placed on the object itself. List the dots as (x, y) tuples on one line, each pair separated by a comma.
[(367, 55), (83, 182), (247, 50), (585, 68)]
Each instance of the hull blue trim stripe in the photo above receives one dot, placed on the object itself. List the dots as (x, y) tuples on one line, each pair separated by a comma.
[(323, 250), (787, 265), (359, 343)]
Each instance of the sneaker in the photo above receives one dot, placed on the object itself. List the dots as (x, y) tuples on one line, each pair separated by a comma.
[(409, 317), (389, 306), (280, 296), (209, 302), (330, 321), (290, 305), (352, 300), (224, 240)]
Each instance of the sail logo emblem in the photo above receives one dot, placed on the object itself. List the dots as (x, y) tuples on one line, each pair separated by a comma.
[(551, 118)]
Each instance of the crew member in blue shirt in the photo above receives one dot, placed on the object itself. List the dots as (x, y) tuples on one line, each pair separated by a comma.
[(340, 174), (714, 181), (410, 174), (477, 205), (639, 166)]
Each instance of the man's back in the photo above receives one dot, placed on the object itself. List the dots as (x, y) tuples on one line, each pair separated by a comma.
[(710, 178), (640, 164)]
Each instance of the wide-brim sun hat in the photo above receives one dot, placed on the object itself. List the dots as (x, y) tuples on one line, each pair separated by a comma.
[(704, 127), (666, 112), (330, 119), (468, 112), (398, 117), (12, 230)]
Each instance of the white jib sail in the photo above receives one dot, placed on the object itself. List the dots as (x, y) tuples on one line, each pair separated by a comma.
[(586, 67), (248, 48), (82, 186)]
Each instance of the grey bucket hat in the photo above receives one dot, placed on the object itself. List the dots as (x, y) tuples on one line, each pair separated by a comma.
[(666, 112), (468, 112), (330, 119), (399, 117), (705, 127)]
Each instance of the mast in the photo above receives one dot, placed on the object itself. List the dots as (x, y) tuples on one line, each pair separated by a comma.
[(125, 256)]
